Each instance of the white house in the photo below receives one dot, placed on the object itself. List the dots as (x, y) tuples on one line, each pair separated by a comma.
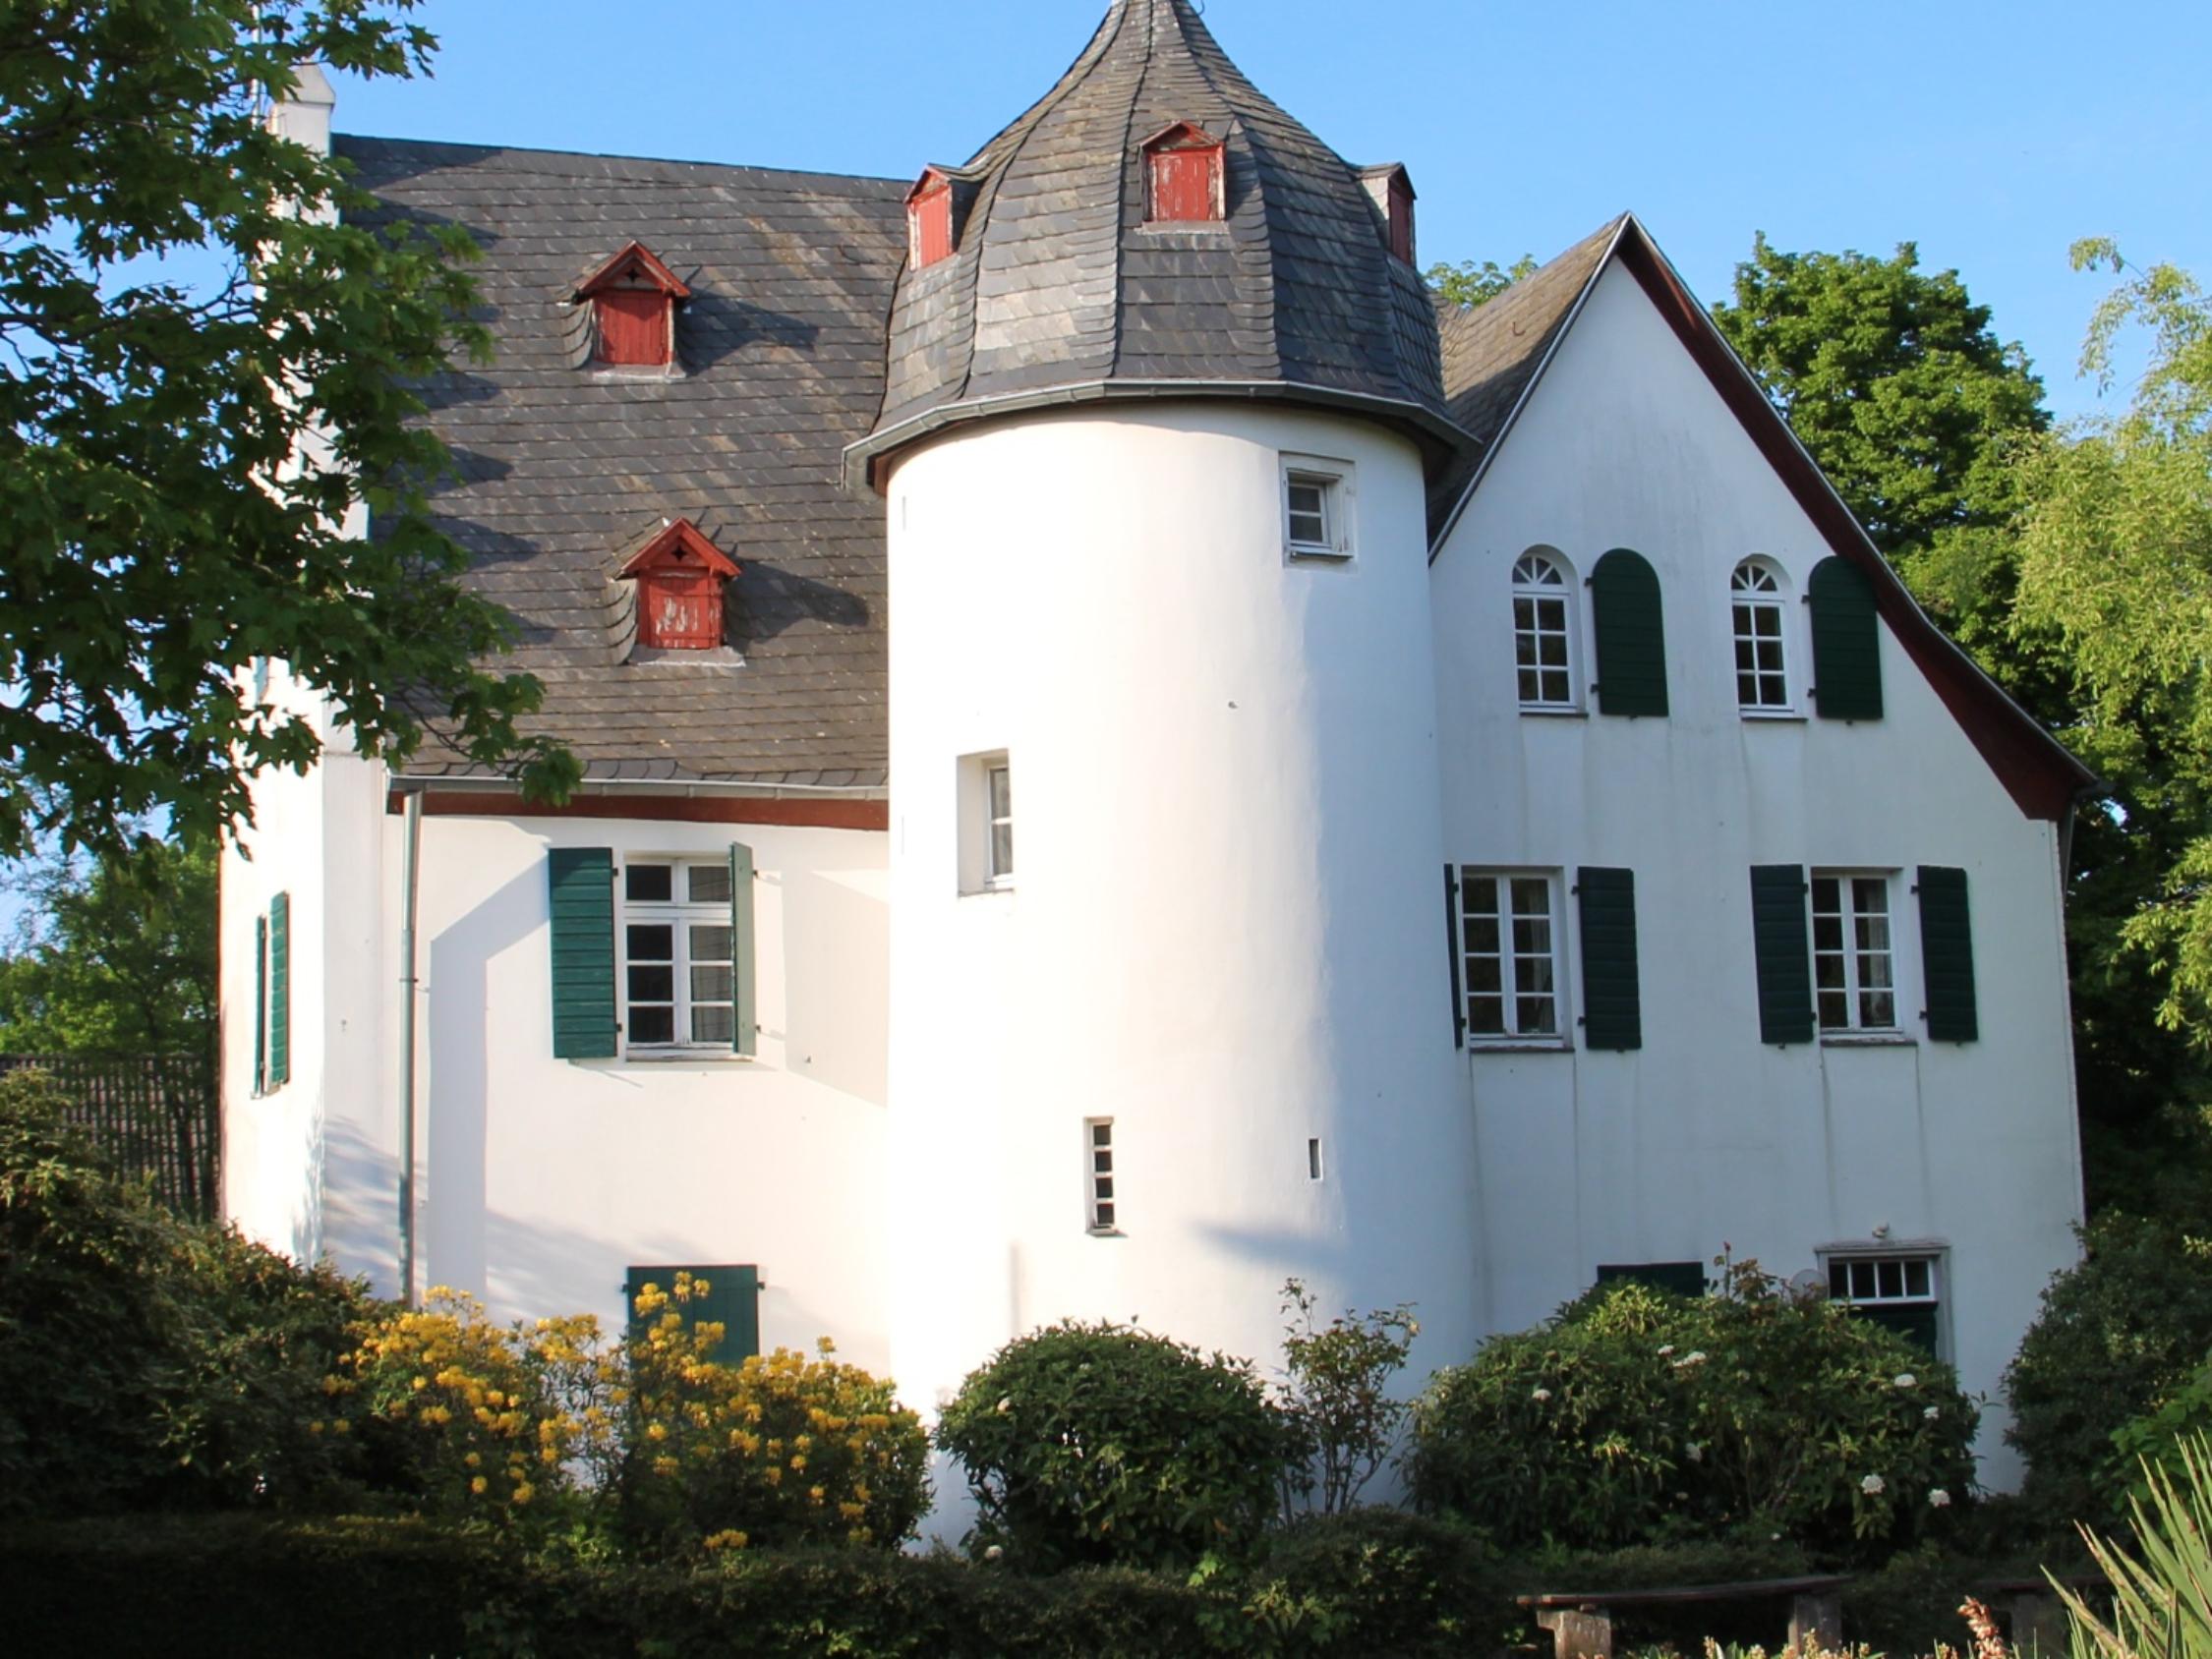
[(1128, 760)]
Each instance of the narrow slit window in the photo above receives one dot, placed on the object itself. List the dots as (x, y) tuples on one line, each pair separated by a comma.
[(1314, 1160), (1099, 1156), (999, 782)]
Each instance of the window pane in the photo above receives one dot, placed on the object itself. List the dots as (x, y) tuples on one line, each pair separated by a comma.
[(1002, 849), (1916, 1278), (651, 985), (1105, 1185), (1105, 1215), (1102, 1161), (1101, 1133), (710, 944), (654, 943), (1889, 1279), (1535, 1016), (1001, 792), (1862, 1280), (1839, 1281), (713, 984), (1835, 1010), (648, 884), (1486, 1015), (652, 1025), (708, 884), (717, 1025)]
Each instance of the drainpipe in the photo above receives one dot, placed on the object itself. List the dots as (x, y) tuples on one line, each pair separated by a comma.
[(410, 874)]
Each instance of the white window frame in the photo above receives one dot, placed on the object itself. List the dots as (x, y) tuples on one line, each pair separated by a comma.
[(1523, 585), (1852, 957), (1857, 1262), (1333, 478), (680, 914), (1100, 1200), (981, 868), (1518, 1032), (1771, 601)]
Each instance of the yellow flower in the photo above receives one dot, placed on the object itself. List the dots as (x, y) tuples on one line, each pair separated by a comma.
[(479, 1485), (524, 1493)]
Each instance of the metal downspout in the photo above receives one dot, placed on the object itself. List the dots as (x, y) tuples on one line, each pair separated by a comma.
[(410, 872)]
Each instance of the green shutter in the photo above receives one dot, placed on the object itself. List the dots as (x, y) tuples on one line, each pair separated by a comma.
[(732, 1302), (1611, 1003), (279, 991), (1846, 643), (260, 1004), (1947, 951), (1915, 1322), (1783, 952), (580, 887), (1625, 614), (1678, 1278), (747, 1012)]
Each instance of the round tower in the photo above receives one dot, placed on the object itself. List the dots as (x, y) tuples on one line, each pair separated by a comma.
[(1170, 990)]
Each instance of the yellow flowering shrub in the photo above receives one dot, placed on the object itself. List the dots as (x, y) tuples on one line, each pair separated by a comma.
[(475, 1420), (784, 1449)]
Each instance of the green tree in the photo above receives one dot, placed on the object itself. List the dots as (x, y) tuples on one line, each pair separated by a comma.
[(1472, 284), (2116, 561), (118, 955), (170, 518)]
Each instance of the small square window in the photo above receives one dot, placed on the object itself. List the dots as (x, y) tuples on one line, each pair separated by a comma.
[(1316, 511)]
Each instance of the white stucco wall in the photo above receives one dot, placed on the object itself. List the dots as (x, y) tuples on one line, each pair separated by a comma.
[(1707, 1136), (1223, 932), (540, 1180)]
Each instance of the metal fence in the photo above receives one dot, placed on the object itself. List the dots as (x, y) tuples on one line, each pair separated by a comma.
[(152, 1115)]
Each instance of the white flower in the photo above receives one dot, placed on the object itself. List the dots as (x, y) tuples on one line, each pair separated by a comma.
[(1907, 1380), (1665, 1350), (1540, 1394), (993, 1553), (1933, 1413), (1694, 1452), (1939, 1499), (1006, 1403), (1872, 1486), (1693, 1358)]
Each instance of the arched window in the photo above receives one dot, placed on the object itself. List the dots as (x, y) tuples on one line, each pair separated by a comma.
[(1755, 603), (1542, 629)]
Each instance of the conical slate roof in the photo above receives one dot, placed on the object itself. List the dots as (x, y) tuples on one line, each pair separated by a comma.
[(1058, 287)]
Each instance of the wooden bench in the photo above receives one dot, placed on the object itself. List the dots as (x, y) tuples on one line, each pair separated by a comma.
[(1581, 1624), (2038, 1618)]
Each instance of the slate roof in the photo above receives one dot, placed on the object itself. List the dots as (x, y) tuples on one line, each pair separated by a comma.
[(566, 468), (1059, 283), (1492, 353)]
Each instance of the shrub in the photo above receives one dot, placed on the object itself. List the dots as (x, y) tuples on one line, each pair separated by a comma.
[(2160, 1436), (144, 1358), (2116, 1334), (1104, 1444), (1336, 1395), (1377, 1580), (472, 1421), (779, 1451), (1638, 1417)]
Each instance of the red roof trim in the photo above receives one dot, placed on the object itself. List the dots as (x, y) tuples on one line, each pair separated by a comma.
[(680, 536), (1182, 135), (649, 266), (656, 808), (2043, 778), (933, 179)]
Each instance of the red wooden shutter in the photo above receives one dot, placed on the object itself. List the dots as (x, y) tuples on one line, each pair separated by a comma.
[(1183, 184), (933, 226), (634, 325), (680, 611), (1401, 219)]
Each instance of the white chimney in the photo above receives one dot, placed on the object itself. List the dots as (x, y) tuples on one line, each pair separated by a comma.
[(304, 115)]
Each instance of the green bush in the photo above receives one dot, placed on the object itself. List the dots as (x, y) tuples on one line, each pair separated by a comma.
[(2159, 1438), (1105, 1444), (1635, 1416), (2161, 1580), (2116, 1335), (145, 1359), (1377, 1581)]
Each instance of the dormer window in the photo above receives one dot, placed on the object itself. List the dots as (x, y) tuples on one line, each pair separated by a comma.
[(929, 218), (1391, 190), (1184, 177), (633, 298), (680, 579)]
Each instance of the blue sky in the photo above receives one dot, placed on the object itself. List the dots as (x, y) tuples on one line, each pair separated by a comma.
[(1993, 134)]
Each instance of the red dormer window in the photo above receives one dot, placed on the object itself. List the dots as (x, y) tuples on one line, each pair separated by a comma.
[(633, 298), (1183, 168), (680, 579), (929, 218)]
